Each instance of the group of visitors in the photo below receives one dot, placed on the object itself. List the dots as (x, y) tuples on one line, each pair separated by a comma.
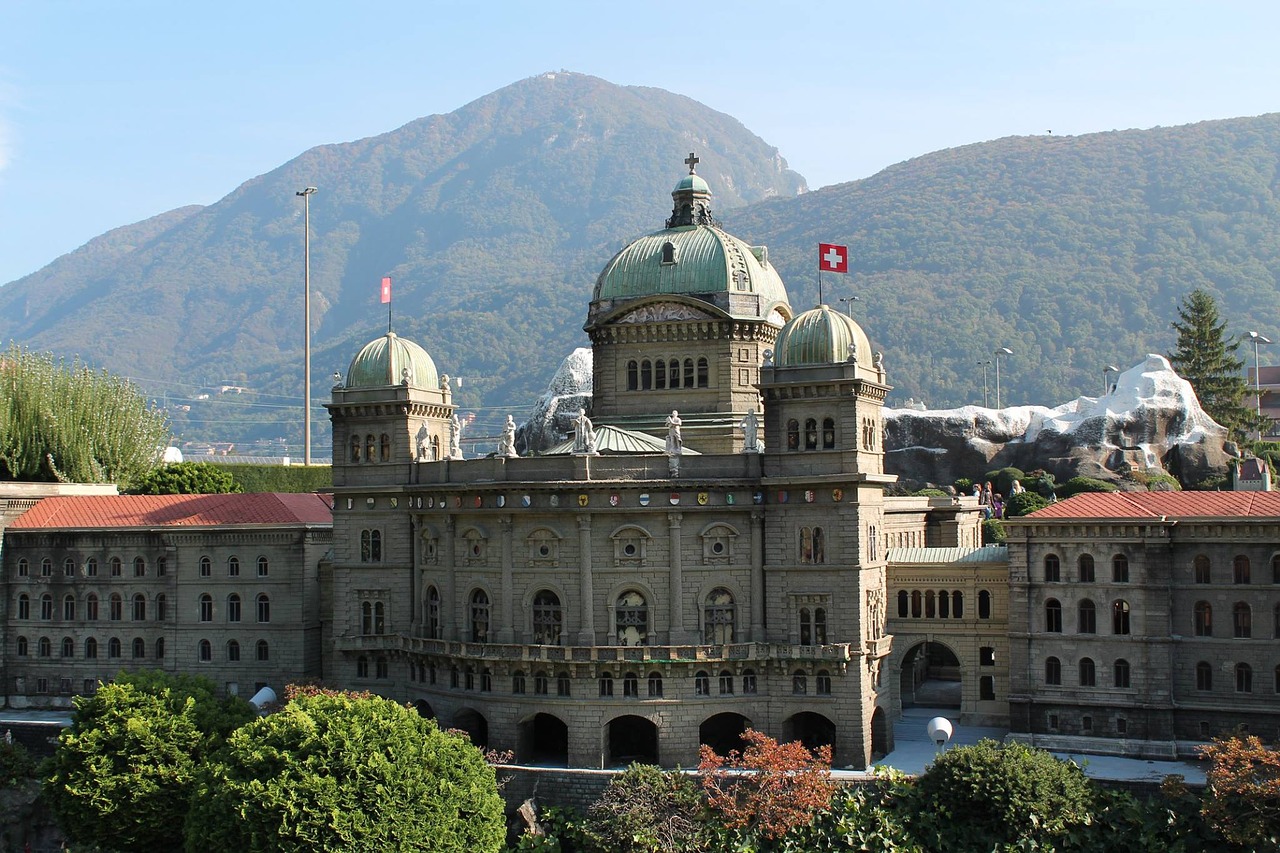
[(991, 501)]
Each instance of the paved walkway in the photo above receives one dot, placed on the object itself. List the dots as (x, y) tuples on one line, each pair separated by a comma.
[(913, 752)]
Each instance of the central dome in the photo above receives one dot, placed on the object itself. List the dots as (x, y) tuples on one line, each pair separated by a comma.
[(391, 360)]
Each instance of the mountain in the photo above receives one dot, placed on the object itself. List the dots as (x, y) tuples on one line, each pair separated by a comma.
[(492, 221), (1071, 251)]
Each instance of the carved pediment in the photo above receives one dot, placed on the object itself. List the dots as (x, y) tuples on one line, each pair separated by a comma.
[(663, 312)]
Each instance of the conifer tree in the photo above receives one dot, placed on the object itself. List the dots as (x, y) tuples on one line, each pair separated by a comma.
[(1206, 357)]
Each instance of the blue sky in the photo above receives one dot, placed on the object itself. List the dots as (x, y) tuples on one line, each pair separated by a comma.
[(111, 112)]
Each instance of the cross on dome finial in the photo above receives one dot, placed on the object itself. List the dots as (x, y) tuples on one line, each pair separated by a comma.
[(691, 161)]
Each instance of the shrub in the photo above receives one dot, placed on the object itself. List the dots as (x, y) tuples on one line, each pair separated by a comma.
[(1023, 503), (993, 532), (297, 479), (1003, 479), (974, 798), (1243, 797), (16, 764), (964, 486), (1040, 482), (866, 817), (648, 810), (930, 493), (186, 478), (1076, 485)]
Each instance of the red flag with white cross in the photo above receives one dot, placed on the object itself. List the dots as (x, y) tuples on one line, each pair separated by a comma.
[(386, 291), (833, 258)]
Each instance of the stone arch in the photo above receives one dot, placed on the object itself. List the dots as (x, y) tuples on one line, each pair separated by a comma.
[(723, 732), (881, 734), (811, 729), (930, 675), (423, 707), (474, 724), (543, 739), (567, 608), (630, 739), (659, 623)]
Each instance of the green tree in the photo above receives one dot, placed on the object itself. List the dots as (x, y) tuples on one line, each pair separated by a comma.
[(186, 478), (122, 773), (1023, 503), (975, 798), (332, 772), (1204, 357), (63, 422)]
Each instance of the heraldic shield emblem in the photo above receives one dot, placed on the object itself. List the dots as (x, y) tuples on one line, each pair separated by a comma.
[(583, 500), (614, 500), (644, 500), (703, 497)]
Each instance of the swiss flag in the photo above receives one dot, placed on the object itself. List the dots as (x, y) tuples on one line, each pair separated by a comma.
[(386, 291), (833, 258)]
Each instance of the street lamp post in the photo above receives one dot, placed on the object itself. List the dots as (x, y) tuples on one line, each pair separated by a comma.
[(306, 323), (1110, 368), (1257, 376), (985, 365), (849, 300), (999, 352)]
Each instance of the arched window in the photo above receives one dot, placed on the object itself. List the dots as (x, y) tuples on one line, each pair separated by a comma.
[(370, 448), (68, 647), (957, 604), (606, 684), (1052, 671), (823, 683), (384, 448), (673, 373), (1244, 678), (139, 608), (660, 375), (206, 651), (655, 685), (46, 568), (517, 682), (749, 681), (1086, 568), (233, 651), (116, 605), (91, 608), (1087, 618), (1052, 568), (1241, 621), (1204, 676), (828, 433), (69, 607), (917, 604), (68, 568), (114, 647), (1120, 671), (904, 606), (564, 684), (1053, 616), (1088, 676), (264, 650), (91, 648), (24, 606), (117, 567), (944, 604), (45, 647), (371, 546), (91, 567), (362, 667), (631, 619), (434, 631), (540, 682), (160, 648), (1275, 569), (718, 617), (479, 616), (799, 682), (702, 683), (24, 568), (233, 567), (633, 375), (22, 647), (46, 607), (206, 607), (366, 617), (1240, 570), (206, 567), (139, 567), (930, 604), (810, 434), (646, 375), (264, 567), (139, 648), (1120, 568), (1203, 573), (703, 373), (1202, 622), (1120, 617), (793, 434), (1275, 628), (548, 619), (668, 253), (355, 448), (264, 607), (630, 686), (162, 608)]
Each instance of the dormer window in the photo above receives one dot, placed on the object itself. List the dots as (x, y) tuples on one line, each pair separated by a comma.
[(669, 254)]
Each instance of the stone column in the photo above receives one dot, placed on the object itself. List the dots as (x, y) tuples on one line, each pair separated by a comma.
[(587, 622), (757, 577), (507, 609), (678, 633), (449, 595)]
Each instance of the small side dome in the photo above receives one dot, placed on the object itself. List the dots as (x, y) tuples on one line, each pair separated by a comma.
[(385, 360), (822, 336), (692, 183)]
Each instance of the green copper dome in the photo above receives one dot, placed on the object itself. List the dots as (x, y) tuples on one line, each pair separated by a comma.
[(692, 183), (692, 260), (821, 336), (383, 362)]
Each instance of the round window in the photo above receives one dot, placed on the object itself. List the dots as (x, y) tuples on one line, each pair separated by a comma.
[(629, 549), (544, 551), (717, 547)]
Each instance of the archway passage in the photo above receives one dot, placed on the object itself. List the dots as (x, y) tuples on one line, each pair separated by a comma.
[(881, 736), (423, 707), (930, 677), (812, 730), (632, 740), (544, 740), (474, 724), (723, 732)]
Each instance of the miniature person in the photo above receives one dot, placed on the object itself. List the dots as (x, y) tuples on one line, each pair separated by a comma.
[(997, 506), (1017, 488), (750, 432), (675, 444), (507, 444)]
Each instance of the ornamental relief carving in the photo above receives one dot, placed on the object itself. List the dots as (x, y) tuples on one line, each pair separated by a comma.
[(663, 312)]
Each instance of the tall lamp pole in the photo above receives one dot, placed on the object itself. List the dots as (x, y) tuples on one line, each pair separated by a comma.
[(306, 323), (1106, 387), (985, 365), (849, 300), (999, 352), (1257, 376)]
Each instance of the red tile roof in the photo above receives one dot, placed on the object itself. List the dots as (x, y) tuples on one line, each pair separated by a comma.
[(112, 511), (1164, 504)]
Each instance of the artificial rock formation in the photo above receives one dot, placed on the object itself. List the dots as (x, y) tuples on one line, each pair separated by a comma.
[(554, 415), (1151, 419)]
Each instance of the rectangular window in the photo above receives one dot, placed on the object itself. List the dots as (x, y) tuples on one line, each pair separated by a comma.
[(987, 687)]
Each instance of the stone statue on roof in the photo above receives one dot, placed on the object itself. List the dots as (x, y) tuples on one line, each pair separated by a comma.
[(507, 443)]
